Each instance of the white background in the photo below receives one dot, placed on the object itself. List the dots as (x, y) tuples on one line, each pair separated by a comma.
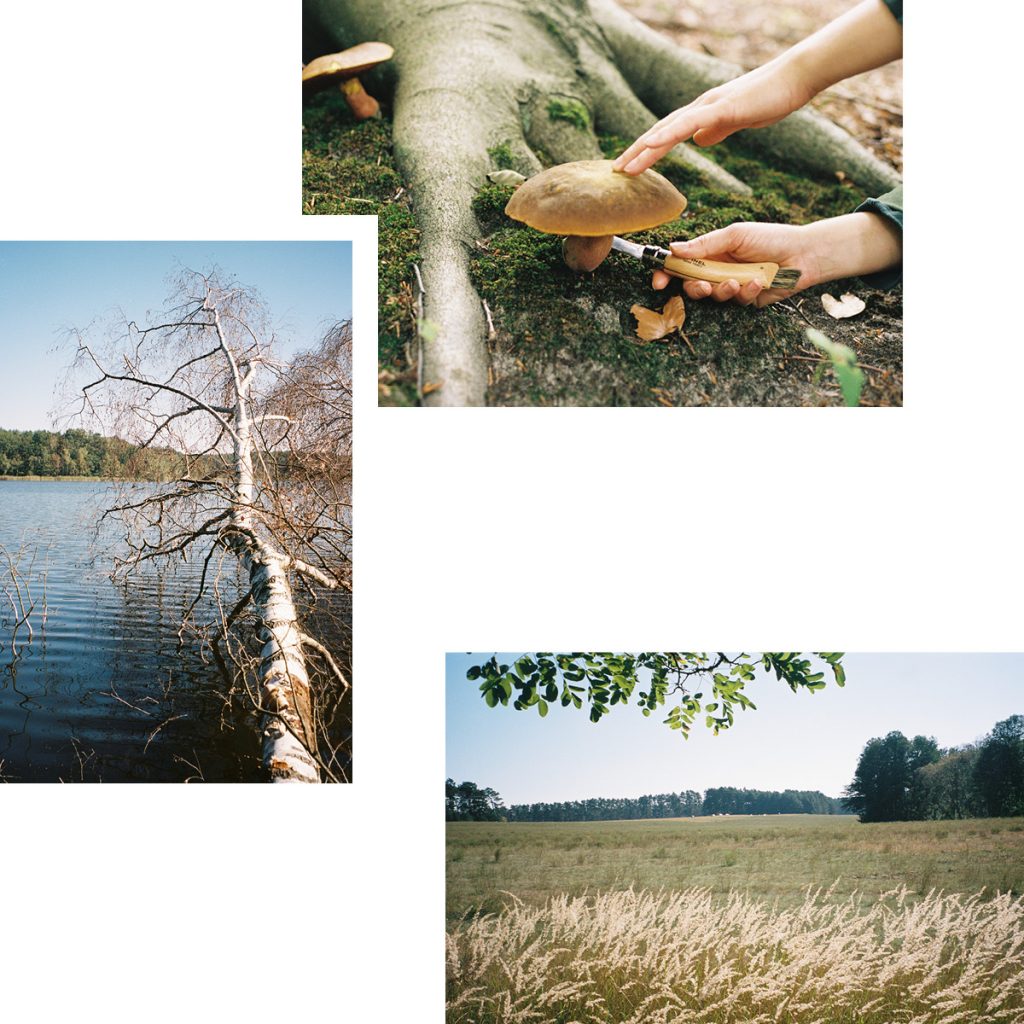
[(488, 529)]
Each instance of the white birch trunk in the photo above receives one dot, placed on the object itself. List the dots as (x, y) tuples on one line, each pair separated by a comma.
[(287, 727)]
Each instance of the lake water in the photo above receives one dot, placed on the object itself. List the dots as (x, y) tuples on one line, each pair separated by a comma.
[(103, 690)]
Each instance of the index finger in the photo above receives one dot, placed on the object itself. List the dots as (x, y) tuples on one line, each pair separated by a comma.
[(647, 158), (679, 126), (642, 142)]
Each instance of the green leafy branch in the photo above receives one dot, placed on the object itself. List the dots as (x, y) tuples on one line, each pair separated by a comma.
[(603, 680)]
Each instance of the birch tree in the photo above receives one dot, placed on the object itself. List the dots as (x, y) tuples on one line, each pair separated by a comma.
[(253, 456)]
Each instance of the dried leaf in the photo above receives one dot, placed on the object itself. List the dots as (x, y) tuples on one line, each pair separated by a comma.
[(506, 177), (848, 305), (652, 326)]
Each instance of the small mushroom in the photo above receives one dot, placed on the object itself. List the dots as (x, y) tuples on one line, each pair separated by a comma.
[(344, 68), (588, 202)]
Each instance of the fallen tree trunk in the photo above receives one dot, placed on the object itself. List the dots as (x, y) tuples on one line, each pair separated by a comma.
[(533, 79), (287, 726)]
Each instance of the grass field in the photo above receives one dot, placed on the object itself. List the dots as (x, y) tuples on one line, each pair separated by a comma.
[(709, 920), (773, 858)]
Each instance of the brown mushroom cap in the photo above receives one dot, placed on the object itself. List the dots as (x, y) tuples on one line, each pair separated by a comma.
[(348, 63), (588, 198)]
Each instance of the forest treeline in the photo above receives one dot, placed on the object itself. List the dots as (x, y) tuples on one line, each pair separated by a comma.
[(900, 779), (80, 453), (84, 454), (467, 802)]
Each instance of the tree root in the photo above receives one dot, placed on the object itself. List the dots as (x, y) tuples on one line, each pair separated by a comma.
[(532, 79)]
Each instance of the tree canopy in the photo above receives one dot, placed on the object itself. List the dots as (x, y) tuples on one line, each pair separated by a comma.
[(904, 780), (71, 453), (468, 802), (691, 683)]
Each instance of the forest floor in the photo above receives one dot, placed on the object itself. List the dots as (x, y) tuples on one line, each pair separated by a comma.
[(564, 339)]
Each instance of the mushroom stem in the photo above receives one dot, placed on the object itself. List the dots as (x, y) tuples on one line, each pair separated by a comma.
[(585, 254), (359, 101)]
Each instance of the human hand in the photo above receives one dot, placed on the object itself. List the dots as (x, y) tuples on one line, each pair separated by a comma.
[(753, 100), (867, 36), (854, 244), (785, 244)]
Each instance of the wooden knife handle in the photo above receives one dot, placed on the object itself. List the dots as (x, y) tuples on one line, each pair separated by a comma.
[(716, 273)]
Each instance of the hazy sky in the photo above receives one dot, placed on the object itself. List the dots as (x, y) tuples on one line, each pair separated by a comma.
[(792, 741), (46, 287)]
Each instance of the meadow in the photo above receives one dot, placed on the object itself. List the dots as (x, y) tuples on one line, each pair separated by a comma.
[(736, 919)]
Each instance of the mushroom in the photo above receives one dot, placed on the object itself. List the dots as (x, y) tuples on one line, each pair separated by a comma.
[(588, 202), (344, 68)]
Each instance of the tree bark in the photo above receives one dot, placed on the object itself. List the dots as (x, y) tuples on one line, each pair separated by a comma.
[(537, 77), (288, 728)]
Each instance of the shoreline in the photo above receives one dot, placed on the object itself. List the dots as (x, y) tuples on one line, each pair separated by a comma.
[(62, 479)]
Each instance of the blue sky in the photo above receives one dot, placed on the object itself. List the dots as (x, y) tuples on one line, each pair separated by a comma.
[(792, 741), (46, 287)]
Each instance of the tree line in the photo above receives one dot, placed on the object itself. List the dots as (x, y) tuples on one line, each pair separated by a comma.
[(82, 453), (685, 804), (71, 453), (468, 802), (900, 779)]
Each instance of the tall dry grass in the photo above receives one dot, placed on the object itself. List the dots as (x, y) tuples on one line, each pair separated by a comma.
[(643, 957)]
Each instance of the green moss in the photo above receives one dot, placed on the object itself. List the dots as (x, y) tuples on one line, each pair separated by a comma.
[(564, 108), (348, 168), (502, 157)]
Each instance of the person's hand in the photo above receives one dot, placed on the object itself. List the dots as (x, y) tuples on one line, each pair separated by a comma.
[(856, 243), (784, 244), (753, 100)]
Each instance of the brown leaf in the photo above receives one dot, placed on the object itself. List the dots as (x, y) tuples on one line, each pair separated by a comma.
[(652, 326)]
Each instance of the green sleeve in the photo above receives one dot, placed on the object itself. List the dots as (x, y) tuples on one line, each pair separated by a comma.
[(889, 206)]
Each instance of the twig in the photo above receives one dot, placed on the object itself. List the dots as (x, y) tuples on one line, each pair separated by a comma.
[(113, 693), (308, 641), (166, 721), (419, 330)]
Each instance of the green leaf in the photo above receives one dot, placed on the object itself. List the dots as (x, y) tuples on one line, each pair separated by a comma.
[(491, 697), (473, 673), (844, 365), (542, 707)]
